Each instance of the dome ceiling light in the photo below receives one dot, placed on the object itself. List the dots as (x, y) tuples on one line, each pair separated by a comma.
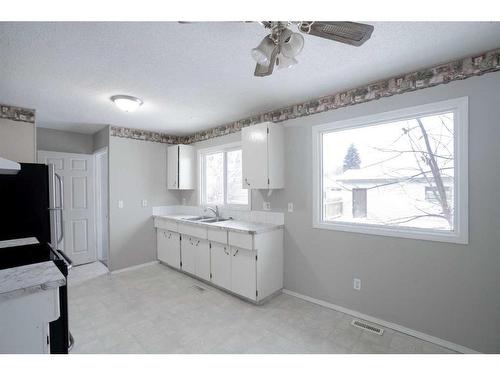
[(126, 103)]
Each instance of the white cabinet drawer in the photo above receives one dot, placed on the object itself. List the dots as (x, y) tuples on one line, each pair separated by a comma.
[(166, 224), (240, 240), (217, 235), (193, 230)]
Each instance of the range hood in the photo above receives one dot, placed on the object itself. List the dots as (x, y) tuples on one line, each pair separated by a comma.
[(9, 166)]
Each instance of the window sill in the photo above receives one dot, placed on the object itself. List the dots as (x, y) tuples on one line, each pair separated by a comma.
[(409, 233)]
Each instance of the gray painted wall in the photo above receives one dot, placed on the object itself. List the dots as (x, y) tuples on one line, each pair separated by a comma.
[(449, 291), (100, 139), (137, 170), (63, 141)]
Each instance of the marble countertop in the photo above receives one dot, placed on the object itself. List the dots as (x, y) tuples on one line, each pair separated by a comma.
[(18, 242), (32, 278), (233, 225)]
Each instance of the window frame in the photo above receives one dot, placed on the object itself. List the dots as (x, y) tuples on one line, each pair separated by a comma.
[(225, 148), (459, 107)]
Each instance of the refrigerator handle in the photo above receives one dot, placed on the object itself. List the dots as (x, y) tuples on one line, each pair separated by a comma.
[(61, 207)]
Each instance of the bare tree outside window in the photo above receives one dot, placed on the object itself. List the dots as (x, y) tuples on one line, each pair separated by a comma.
[(399, 164)]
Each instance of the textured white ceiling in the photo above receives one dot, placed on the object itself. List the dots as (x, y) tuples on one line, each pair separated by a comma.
[(196, 76)]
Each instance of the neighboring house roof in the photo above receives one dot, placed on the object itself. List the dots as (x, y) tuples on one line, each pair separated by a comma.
[(379, 173)]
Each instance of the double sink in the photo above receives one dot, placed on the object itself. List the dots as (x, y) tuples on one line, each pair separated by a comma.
[(206, 219)]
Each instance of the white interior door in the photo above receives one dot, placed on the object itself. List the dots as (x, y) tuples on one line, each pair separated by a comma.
[(77, 173)]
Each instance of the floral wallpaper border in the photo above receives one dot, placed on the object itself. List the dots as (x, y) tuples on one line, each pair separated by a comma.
[(17, 113), (145, 135)]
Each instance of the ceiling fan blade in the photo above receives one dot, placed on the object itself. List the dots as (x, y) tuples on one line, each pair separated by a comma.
[(352, 33), (262, 70)]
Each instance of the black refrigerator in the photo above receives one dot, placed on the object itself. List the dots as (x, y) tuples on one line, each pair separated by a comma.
[(27, 210)]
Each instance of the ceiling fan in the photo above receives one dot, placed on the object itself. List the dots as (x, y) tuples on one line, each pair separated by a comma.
[(282, 45)]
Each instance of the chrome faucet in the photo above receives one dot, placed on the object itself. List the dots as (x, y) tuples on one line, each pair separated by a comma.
[(215, 211)]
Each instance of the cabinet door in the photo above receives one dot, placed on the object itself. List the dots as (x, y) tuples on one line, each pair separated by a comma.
[(161, 245), (276, 156), (173, 254), (172, 167), (188, 254), (202, 262), (186, 167), (244, 272), (254, 156), (220, 260), (168, 247)]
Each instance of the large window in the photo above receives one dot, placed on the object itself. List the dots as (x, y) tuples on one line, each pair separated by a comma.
[(401, 173), (221, 177)]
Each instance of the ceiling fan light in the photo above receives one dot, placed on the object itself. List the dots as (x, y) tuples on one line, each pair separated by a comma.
[(126, 103), (293, 45), (262, 53), (284, 62)]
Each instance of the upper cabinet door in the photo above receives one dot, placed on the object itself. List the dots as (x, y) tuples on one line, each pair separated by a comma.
[(173, 167), (276, 155), (254, 156), (263, 156), (181, 167), (186, 167)]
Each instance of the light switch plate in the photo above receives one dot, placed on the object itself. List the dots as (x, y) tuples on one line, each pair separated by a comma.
[(266, 206), (356, 284), (290, 207), (144, 203), (120, 204)]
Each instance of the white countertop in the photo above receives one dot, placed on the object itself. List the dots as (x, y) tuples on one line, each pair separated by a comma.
[(233, 225), (32, 278)]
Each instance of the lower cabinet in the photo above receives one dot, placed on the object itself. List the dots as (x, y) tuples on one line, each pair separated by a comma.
[(202, 261), (188, 251), (234, 269), (249, 265), (244, 272), (221, 265), (169, 248), (196, 256)]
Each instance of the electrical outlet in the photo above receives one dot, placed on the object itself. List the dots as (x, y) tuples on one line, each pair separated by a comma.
[(144, 203), (266, 206), (356, 284), (120, 204), (290, 207)]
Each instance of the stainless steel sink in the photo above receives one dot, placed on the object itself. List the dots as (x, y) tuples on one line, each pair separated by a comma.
[(213, 220), (198, 218), (206, 219)]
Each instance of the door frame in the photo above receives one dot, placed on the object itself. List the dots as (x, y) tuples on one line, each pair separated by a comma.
[(101, 222)]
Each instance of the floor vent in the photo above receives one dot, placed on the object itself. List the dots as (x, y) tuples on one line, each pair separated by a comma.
[(199, 288), (367, 327)]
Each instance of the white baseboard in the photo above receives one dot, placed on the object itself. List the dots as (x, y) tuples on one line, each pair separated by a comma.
[(133, 267), (394, 326)]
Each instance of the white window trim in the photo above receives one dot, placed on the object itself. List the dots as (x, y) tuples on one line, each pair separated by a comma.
[(460, 233), (201, 183)]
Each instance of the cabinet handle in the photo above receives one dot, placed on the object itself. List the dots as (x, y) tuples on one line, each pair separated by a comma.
[(236, 252), (246, 181), (225, 250)]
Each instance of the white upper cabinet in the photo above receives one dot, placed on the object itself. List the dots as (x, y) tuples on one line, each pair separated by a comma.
[(263, 147), (180, 167)]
